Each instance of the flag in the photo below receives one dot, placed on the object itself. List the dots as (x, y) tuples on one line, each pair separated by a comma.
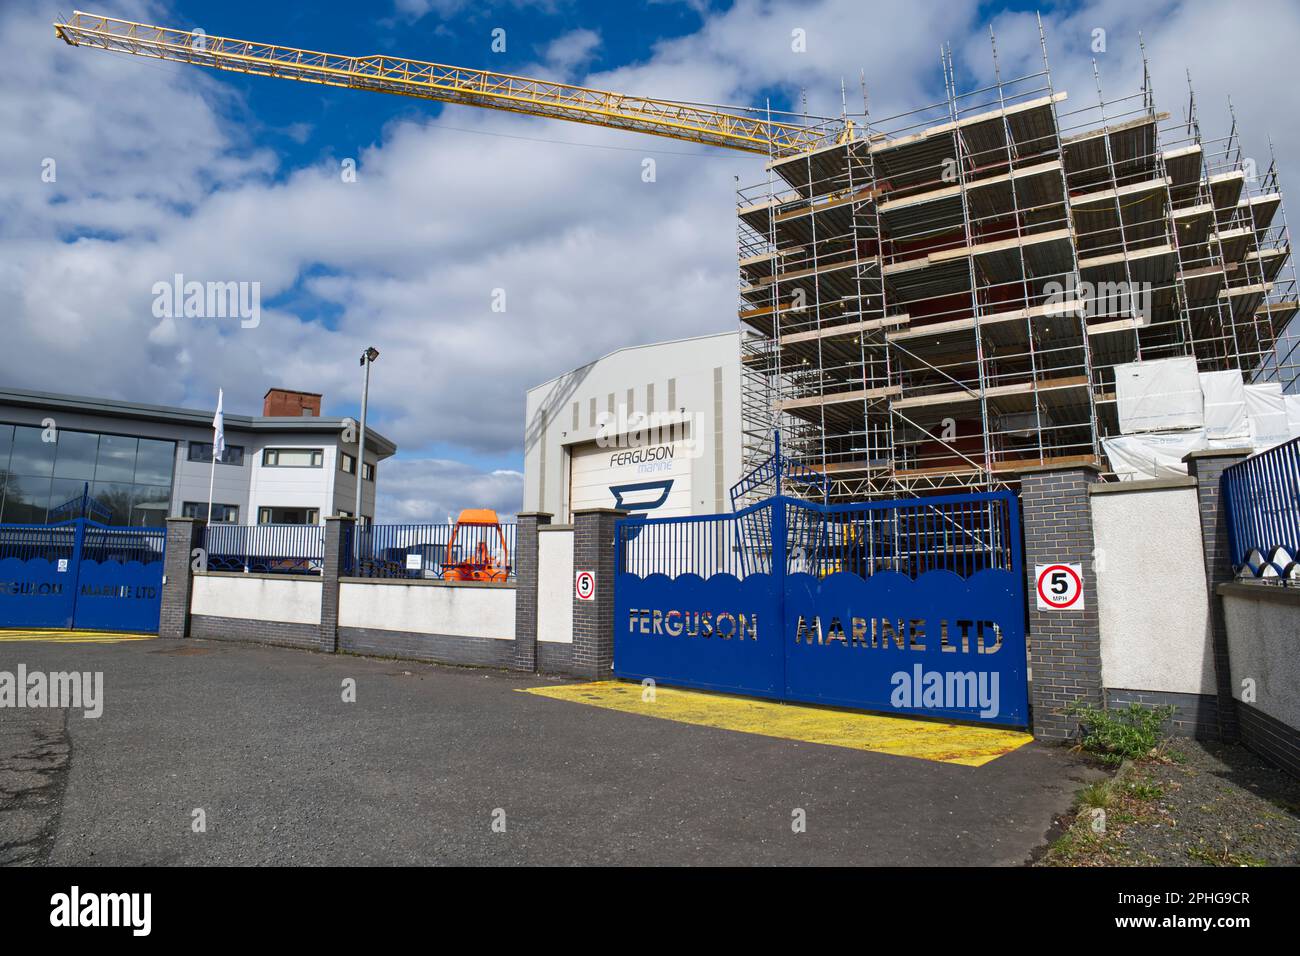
[(219, 430)]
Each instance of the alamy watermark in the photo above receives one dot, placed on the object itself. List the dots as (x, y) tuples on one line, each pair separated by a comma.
[(177, 298), (1101, 299), (73, 909), (58, 689), (624, 429), (950, 690)]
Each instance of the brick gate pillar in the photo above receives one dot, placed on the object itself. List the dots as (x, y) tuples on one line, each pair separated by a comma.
[(1207, 468), (1064, 646), (337, 541), (183, 536), (525, 562), (593, 621)]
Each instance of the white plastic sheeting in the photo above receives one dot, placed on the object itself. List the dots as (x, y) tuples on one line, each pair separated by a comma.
[(1134, 457), (1271, 418), (1225, 405), (1292, 414), (1266, 409), (1160, 395)]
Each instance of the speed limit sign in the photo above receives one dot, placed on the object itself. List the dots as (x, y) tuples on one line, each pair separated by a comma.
[(584, 585), (1059, 587)]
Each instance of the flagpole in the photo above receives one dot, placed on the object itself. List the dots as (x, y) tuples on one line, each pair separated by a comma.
[(212, 480), (218, 448)]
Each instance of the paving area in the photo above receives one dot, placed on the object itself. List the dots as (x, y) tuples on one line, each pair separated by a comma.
[(427, 759)]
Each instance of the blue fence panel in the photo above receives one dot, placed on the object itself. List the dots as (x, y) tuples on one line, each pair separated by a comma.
[(696, 602), (911, 606), (38, 578), (119, 581), (1261, 497), (81, 574), (434, 551), (265, 548)]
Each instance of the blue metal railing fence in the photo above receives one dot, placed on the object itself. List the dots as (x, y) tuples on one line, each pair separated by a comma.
[(28, 541), (88, 539), (143, 545), (265, 548), (963, 534), (1261, 500), (431, 551)]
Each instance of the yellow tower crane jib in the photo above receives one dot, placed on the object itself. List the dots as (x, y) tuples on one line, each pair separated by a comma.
[(748, 130)]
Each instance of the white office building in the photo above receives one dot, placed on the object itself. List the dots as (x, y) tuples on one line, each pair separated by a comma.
[(289, 465)]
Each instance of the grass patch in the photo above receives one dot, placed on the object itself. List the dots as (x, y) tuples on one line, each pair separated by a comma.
[(1099, 795), (1127, 798), (1224, 857), (1131, 733)]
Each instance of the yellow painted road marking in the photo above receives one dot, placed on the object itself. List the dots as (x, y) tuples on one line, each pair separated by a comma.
[(971, 746), (51, 636)]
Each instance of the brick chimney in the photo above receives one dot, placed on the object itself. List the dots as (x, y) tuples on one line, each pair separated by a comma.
[(286, 403)]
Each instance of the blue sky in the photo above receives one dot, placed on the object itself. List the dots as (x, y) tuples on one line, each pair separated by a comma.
[(628, 33), (164, 168)]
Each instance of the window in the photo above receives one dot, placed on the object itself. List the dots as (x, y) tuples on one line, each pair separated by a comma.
[(347, 463), (288, 516), (75, 455), (368, 472), (202, 451), (226, 514), (292, 457), (44, 469), (116, 458)]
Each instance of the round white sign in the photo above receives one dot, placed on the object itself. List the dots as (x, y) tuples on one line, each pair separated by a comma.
[(1059, 587)]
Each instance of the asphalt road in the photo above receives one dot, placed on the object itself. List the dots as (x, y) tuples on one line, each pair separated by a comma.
[(416, 770)]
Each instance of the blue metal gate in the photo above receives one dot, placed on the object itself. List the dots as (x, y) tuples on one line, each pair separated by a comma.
[(82, 574), (912, 606)]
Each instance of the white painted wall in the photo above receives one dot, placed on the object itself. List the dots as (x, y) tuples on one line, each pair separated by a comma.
[(292, 487), (555, 586), (1264, 645), (289, 598), (465, 611), (565, 413), (1153, 604)]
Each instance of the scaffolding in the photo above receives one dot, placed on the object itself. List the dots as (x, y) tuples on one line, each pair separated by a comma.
[(939, 300)]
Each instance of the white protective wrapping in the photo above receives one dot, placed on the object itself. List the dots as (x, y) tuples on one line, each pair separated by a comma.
[(1292, 414), (1225, 405), (1266, 408), (1159, 395), (1134, 457)]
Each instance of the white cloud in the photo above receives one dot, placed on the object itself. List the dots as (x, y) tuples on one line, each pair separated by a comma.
[(571, 50)]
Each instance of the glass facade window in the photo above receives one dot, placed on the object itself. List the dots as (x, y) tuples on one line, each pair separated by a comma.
[(347, 463), (32, 456), (74, 455), (116, 458), (202, 451), (42, 469)]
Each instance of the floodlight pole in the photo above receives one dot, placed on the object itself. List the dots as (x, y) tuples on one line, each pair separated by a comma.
[(367, 359)]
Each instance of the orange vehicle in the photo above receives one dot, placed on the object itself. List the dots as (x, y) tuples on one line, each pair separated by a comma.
[(479, 563)]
